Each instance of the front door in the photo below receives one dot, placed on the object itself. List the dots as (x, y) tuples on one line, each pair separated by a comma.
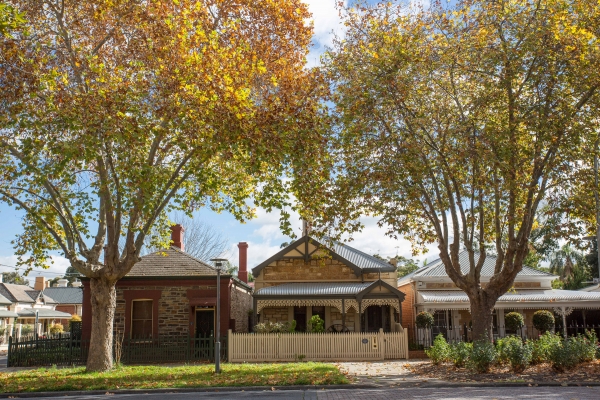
[(374, 318), (205, 322)]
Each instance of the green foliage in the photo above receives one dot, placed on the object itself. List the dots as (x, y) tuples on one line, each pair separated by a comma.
[(26, 330), (10, 19), (424, 319), (315, 324), (512, 350), (460, 353), (543, 347), (573, 351), (292, 326), (55, 329), (543, 320), (440, 351), (482, 356), (14, 277), (514, 321), (405, 266)]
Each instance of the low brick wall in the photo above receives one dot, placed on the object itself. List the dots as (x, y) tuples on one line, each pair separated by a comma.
[(416, 354)]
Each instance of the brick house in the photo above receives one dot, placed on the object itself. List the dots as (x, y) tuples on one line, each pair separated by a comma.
[(170, 293), (430, 289), (333, 280)]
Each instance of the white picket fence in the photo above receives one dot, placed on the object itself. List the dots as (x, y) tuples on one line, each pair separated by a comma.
[(246, 347)]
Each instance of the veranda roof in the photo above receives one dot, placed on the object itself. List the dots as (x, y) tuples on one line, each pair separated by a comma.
[(313, 289), (549, 296), (8, 314), (43, 313)]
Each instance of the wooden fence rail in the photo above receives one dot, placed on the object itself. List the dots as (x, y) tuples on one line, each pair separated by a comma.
[(248, 347)]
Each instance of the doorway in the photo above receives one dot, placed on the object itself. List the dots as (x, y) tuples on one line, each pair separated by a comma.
[(205, 322)]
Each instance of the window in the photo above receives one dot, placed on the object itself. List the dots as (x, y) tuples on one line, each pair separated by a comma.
[(141, 319)]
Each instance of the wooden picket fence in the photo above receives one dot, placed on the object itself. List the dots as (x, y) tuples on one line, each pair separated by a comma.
[(248, 347)]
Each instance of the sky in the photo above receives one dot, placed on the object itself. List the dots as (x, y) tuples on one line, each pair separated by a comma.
[(262, 234)]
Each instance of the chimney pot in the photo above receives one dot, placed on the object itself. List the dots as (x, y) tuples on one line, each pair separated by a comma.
[(243, 261), (177, 236)]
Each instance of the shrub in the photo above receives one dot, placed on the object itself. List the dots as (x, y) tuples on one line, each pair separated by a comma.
[(274, 327), (424, 319), (26, 330), (482, 357), (516, 353), (585, 346), (440, 351), (501, 350), (543, 321), (542, 347), (563, 357), (55, 329), (513, 321), (459, 353), (315, 324)]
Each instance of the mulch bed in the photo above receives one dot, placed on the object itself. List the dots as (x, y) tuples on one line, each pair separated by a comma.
[(587, 372)]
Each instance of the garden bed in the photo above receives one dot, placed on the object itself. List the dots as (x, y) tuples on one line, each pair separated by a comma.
[(586, 372)]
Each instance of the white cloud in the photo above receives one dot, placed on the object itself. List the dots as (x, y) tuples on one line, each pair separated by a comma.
[(327, 23), (57, 268)]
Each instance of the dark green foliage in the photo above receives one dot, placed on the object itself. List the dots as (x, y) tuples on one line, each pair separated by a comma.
[(424, 319), (315, 324), (574, 351), (482, 356), (543, 320), (440, 351), (512, 350), (514, 321), (460, 353), (542, 347)]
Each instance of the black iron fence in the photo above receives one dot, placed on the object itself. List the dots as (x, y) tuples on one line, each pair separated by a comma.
[(68, 351), (420, 338)]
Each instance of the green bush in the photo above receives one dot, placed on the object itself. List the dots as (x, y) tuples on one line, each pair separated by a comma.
[(516, 353), (513, 321), (543, 320), (315, 324), (55, 329), (424, 319), (26, 330), (585, 346), (482, 357), (542, 347), (563, 357), (440, 351), (501, 350), (459, 353)]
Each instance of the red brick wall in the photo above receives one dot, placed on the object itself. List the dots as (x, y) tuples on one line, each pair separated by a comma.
[(408, 305), (68, 308)]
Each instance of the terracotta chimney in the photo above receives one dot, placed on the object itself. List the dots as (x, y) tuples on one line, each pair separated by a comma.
[(40, 283), (243, 269), (177, 236)]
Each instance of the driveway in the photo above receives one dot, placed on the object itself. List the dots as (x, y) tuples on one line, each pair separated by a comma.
[(3, 362)]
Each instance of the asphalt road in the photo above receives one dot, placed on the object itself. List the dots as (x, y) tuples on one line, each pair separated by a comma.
[(527, 393)]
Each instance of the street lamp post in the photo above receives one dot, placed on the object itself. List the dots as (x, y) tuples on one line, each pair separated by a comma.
[(218, 265)]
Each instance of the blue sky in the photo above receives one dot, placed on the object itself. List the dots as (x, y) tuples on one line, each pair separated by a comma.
[(262, 233)]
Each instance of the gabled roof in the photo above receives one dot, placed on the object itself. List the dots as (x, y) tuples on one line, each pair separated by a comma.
[(18, 293), (437, 269), (64, 295), (170, 263), (357, 260)]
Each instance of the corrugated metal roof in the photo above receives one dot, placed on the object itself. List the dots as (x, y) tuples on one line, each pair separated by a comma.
[(42, 313), (436, 268), (313, 289), (171, 262), (360, 259), (550, 295), (8, 314), (65, 295)]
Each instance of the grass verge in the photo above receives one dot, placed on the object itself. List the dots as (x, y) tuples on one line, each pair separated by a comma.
[(155, 377)]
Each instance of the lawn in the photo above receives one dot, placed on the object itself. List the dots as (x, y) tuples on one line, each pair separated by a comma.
[(154, 377)]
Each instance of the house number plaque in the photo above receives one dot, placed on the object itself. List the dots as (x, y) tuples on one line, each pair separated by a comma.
[(365, 341)]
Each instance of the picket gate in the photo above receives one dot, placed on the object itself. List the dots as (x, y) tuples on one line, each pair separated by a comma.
[(351, 346)]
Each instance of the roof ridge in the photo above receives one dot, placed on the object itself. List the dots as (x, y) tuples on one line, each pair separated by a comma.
[(177, 249)]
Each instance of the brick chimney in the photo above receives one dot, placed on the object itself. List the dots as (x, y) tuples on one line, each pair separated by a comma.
[(243, 268), (40, 283), (177, 236)]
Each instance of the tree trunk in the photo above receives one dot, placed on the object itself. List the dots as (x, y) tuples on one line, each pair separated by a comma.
[(481, 318), (103, 298)]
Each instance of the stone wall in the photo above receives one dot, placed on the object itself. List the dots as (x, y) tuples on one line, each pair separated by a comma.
[(241, 304), (274, 314), (351, 317)]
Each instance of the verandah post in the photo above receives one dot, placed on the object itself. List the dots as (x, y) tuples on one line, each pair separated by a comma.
[(229, 344), (10, 339)]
